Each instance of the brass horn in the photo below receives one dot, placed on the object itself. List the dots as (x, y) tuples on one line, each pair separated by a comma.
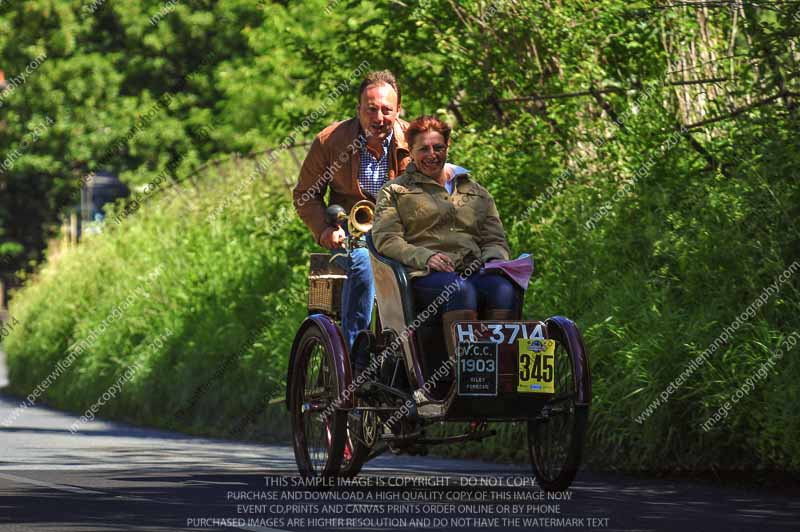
[(360, 218)]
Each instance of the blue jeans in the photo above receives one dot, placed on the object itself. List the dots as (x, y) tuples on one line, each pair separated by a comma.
[(358, 293), (478, 291)]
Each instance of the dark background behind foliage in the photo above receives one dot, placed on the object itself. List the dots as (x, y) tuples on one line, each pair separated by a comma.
[(588, 90)]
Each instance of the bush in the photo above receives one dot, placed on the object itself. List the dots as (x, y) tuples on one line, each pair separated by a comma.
[(652, 284), (218, 298)]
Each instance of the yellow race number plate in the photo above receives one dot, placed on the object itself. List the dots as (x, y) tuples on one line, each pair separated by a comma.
[(536, 365)]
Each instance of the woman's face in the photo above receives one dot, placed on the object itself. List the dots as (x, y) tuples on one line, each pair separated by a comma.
[(429, 153)]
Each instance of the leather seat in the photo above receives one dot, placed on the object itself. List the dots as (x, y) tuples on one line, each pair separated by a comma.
[(401, 280)]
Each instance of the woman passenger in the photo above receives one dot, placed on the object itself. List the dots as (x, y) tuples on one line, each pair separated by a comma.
[(443, 228)]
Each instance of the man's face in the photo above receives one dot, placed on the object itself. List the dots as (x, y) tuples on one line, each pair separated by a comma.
[(377, 111)]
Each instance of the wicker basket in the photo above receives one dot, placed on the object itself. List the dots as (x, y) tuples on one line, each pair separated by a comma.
[(325, 281)]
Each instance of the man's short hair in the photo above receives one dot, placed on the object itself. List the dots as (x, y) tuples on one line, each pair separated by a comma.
[(376, 77)]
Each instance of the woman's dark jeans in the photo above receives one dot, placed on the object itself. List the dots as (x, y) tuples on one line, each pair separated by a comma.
[(483, 291)]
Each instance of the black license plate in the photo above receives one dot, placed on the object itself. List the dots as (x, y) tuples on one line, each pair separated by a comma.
[(477, 369)]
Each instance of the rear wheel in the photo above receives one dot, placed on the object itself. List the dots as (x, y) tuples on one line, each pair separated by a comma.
[(555, 438), (319, 429)]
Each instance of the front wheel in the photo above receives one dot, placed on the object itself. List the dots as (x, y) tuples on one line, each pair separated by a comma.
[(362, 432), (318, 428), (555, 437), (362, 425)]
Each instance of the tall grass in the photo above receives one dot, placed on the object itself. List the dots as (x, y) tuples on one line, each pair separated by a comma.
[(230, 289), (655, 282)]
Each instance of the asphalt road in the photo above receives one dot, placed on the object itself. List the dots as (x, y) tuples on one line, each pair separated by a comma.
[(110, 476)]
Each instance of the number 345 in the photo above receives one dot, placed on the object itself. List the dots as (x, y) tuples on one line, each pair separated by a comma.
[(539, 368)]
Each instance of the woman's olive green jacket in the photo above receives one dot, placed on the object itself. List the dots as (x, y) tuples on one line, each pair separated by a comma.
[(415, 218)]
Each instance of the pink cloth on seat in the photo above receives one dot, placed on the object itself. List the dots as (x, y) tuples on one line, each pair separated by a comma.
[(518, 270)]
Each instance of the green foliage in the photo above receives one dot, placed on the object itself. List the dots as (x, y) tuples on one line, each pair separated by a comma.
[(106, 66), (230, 293)]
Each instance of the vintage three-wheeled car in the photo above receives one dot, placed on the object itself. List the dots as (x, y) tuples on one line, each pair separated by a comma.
[(524, 371)]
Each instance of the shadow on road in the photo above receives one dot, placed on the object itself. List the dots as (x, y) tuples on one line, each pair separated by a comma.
[(179, 499)]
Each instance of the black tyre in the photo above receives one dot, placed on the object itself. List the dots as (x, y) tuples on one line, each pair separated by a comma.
[(318, 429), (556, 436)]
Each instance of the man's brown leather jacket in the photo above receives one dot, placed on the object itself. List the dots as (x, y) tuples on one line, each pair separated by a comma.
[(333, 161)]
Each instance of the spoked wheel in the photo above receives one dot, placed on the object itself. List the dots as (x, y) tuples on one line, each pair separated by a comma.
[(555, 438), (362, 425), (362, 432), (318, 431)]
